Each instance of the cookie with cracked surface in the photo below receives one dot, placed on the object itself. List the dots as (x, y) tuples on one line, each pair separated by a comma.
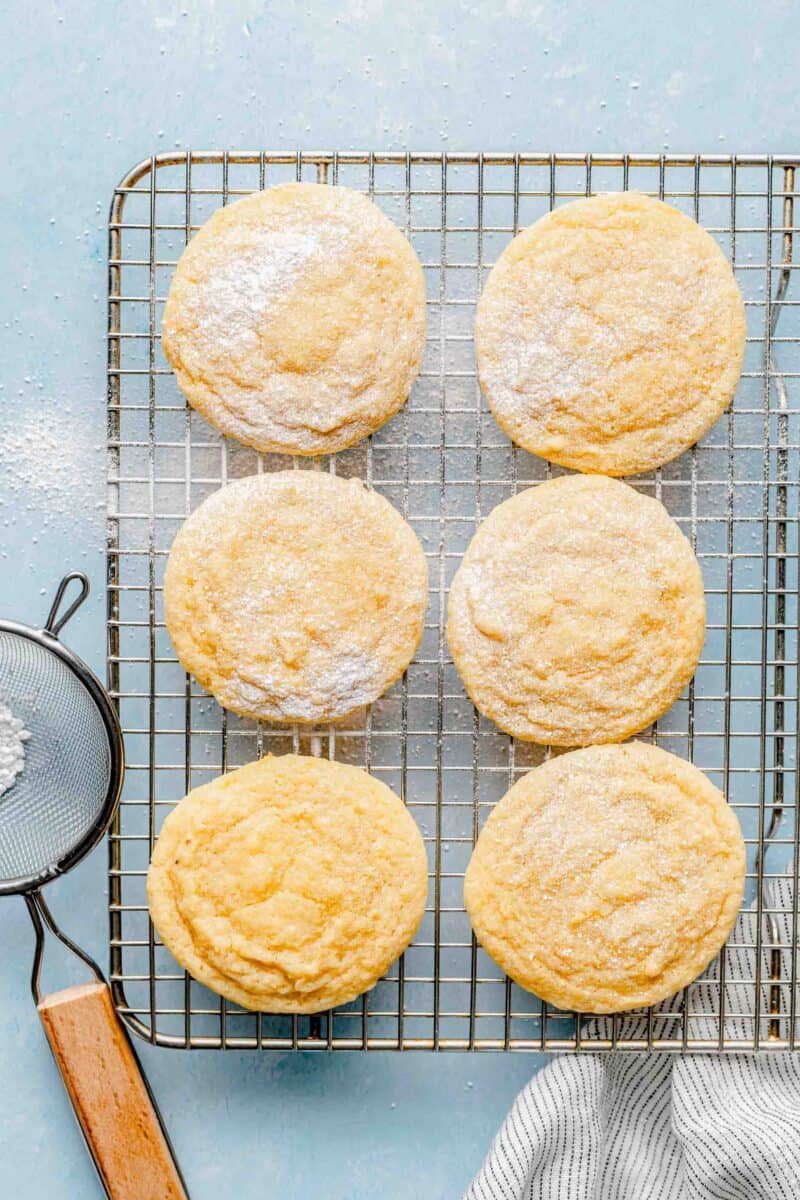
[(607, 878), (610, 335), (295, 321), (289, 885), (577, 614), (295, 596)]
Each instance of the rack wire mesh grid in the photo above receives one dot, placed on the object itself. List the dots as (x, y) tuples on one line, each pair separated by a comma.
[(445, 464)]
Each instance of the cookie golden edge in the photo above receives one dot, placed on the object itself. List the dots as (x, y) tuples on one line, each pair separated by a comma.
[(525, 731), (547, 985), (213, 409), (185, 646), (175, 936), (599, 461), (538, 736)]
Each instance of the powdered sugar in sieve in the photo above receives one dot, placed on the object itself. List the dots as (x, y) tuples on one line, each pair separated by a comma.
[(13, 736)]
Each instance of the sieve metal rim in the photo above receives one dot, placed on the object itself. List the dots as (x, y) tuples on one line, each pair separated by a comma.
[(48, 640)]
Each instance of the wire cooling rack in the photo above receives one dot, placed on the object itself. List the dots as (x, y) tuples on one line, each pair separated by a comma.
[(445, 464)]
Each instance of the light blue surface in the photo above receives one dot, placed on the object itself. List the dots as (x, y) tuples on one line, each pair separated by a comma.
[(92, 88)]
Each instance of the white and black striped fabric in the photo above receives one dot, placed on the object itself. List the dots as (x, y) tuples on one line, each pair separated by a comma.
[(639, 1126)]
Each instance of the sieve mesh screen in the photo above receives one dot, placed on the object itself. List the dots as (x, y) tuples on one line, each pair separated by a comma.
[(60, 793)]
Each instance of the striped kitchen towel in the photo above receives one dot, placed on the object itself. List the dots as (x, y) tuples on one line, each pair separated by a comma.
[(637, 1126)]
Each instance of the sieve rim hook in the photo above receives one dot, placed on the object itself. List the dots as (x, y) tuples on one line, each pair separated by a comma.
[(55, 623)]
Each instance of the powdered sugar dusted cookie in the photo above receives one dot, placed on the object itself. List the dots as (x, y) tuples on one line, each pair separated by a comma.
[(296, 319), (608, 878), (610, 335), (577, 614), (295, 596)]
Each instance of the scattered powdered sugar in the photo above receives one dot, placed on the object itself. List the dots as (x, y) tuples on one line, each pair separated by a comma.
[(13, 736), (342, 684), (52, 466), (230, 308), (353, 679), (535, 361)]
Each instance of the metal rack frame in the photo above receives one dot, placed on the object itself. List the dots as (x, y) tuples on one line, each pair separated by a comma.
[(444, 463)]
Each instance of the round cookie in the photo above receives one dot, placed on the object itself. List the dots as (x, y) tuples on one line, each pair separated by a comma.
[(296, 319), (607, 878), (577, 614), (289, 885), (610, 335), (295, 596)]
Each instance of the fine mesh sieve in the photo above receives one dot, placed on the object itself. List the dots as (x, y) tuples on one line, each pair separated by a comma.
[(63, 799), (60, 796), (55, 810)]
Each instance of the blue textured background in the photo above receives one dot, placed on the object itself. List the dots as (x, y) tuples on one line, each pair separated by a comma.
[(92, 88)]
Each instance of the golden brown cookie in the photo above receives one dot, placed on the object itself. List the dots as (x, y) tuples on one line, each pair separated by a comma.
[(577, 614), (295, 596), (296, 319), (289, 885), (610, 335), (607, 878)]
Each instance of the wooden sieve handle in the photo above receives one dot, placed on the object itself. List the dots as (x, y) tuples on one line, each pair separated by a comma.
[(109, 1095)]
